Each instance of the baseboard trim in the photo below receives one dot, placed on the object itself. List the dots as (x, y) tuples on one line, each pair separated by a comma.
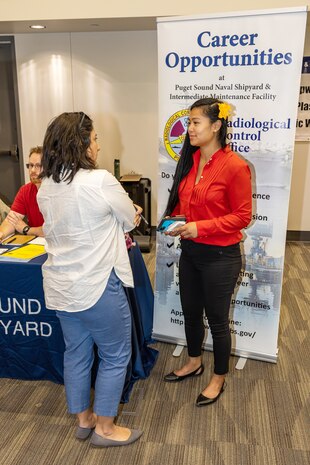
[(294, 236)]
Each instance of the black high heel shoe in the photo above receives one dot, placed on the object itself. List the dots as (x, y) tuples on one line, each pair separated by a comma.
[(203, 400), (173, 378)]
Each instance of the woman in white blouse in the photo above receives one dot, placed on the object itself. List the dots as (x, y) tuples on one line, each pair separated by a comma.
[(86, 213)]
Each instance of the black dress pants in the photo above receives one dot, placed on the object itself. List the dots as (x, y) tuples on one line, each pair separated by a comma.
[(208, 275)]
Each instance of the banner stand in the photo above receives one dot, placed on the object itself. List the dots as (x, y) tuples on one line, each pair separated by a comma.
[(250, 61), (177, 351)]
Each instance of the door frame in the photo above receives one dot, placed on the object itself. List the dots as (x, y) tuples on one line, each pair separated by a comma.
[(10, 40)]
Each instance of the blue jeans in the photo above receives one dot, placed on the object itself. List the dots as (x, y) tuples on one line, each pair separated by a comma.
[(108, 325)]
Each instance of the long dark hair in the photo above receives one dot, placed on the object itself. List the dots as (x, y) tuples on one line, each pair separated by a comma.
[(65, 145), (210, 108)]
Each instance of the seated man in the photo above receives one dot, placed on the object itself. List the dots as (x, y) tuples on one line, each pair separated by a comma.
[(25, 203)]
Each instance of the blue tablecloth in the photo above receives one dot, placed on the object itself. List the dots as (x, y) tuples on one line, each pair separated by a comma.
[(31, 341), (141, 301)]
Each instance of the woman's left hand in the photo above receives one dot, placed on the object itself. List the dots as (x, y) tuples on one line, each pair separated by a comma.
[(188, 231)]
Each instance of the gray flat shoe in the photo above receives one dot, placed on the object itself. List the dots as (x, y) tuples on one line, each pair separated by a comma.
[(83, 433), (98, 441)]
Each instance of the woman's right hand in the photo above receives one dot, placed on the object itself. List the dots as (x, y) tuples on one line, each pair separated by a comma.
[(187, 231), (137, 219)]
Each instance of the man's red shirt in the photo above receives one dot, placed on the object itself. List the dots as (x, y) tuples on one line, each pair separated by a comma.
[(26, 204)]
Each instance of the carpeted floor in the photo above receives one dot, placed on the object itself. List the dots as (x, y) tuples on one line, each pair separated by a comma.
[(261, 419)]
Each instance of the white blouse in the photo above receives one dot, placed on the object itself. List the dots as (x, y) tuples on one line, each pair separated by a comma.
[(84, 226)]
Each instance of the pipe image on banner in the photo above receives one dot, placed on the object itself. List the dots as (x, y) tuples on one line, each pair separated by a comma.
[(248, 60)]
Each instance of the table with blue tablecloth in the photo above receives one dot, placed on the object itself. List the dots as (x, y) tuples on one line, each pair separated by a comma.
[(31, 341)]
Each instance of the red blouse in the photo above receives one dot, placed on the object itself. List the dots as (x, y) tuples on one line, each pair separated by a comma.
[(221, 202)]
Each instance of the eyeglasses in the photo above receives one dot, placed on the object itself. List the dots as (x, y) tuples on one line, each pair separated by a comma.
[(36, 166)]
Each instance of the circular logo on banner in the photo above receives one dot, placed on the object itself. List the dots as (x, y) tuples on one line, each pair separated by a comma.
[(174, 133)]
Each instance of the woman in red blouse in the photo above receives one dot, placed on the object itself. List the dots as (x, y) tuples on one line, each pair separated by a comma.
[(212, 189)]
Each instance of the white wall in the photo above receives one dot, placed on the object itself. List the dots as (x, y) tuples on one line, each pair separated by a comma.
[(58, 9), (298, 215), (111, 76), (44, 83), (115, 80)]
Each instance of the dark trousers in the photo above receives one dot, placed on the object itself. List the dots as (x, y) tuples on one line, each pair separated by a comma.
[(208, 275)]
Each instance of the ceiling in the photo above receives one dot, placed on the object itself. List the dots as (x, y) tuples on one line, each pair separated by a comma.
[(85, 25), (80, 25)]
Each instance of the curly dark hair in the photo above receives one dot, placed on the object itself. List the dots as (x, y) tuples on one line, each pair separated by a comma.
[(210, 108), (65, 145)]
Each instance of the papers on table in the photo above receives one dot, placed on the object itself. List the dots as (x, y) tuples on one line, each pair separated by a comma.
[(24, 253), (18, 239), (38, 241)]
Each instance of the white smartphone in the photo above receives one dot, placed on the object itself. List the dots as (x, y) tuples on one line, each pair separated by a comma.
[(169, 224)]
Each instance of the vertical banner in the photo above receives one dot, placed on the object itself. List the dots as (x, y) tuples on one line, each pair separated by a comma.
[(303, 117), (249, 60)]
